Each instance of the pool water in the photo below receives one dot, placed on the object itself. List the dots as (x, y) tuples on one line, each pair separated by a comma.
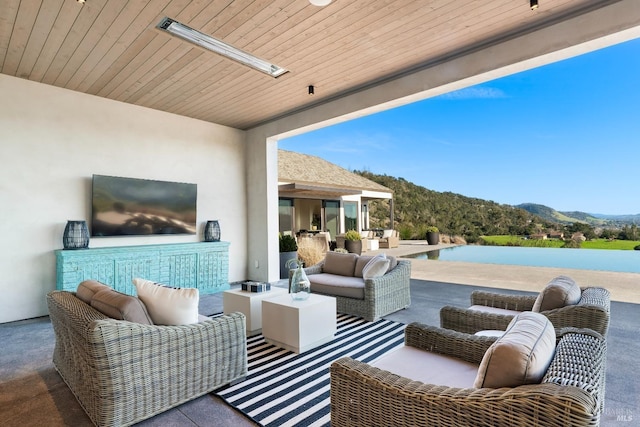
[(583, 259)]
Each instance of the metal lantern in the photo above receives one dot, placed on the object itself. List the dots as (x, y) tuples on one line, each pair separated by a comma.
[(212, 231), (76, 235)]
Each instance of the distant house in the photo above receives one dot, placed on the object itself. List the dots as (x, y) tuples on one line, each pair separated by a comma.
[(556, 235), (539, 236), (315, 194)]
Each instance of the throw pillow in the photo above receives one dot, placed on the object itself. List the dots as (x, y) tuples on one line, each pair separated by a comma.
[(360, 263), (340, 264), (168, 306), (121, 306), (521, 356), (88, 288), (393, 262), (387, 233), (559, 292), (376, 267)]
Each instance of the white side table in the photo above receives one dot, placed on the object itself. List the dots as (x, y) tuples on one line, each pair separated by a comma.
[(299, 325), (249, 303), (374, 244)]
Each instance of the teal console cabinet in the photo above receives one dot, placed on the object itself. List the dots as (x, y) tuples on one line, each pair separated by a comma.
[(202, 265)]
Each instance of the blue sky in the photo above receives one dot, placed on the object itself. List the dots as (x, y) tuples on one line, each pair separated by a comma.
[(566, 135)]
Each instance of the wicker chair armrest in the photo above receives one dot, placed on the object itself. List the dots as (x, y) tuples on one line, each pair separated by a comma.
[(586, 372), (582, 315), (132, 335), (470, 348), (472, 321), (315, 269), (506, 301), (400, 276), (207, 347), (362, 395), (599, 298)]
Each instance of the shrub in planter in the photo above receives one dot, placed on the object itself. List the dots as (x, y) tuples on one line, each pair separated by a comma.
[(288, 243), (353, 242), (288, 251), (433, 235)]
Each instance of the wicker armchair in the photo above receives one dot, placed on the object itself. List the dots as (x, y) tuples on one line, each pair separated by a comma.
[(382, 295), (591, 312), (123, 372), (570, 394), (392, 241)]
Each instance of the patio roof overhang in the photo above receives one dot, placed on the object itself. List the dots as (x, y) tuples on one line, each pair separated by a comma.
[(308, 191)]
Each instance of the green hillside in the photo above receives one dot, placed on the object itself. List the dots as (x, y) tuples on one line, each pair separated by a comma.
[(416, 207), (553, 215)]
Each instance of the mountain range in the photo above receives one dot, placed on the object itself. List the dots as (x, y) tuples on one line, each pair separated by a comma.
[(569, 217)]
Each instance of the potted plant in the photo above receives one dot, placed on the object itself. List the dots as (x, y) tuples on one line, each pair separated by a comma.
[(288, 251), (353, 242), (433, 235)]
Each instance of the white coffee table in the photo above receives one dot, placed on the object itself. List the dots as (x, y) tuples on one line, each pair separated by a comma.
[(249, 303), (299, 325)]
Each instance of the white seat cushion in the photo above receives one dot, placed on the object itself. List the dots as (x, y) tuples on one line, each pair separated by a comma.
[(428, 368), (494, 310), (490, 333)]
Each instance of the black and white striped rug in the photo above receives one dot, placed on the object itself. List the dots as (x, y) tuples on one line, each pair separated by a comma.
[(287, 389)]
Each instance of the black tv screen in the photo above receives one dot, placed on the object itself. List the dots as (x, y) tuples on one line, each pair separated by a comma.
[(137, 207)]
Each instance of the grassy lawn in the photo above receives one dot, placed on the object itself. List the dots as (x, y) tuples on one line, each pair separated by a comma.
[(554, 243)]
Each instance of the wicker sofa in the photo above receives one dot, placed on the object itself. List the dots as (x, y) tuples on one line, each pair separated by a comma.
[(340, 275), (494, 311), (571, 392), (123, 372)]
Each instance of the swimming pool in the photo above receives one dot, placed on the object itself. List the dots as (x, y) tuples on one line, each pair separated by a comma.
[(583, 259)]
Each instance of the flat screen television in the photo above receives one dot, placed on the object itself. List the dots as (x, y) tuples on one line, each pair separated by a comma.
[(137, 207)]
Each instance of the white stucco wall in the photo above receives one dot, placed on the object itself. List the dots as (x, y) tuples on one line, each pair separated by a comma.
[(53, 140)]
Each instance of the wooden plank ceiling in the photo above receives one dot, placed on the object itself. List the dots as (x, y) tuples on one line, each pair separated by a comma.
[(112, 48)]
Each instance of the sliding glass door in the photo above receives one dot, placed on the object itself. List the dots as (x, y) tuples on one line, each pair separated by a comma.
[(285, 216), (350, 216), (331, 210)]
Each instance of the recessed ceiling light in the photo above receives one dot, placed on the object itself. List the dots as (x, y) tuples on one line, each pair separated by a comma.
[(210, 43), (320, 2)]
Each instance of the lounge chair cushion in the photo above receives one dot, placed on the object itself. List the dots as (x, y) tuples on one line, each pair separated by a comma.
[(121, 306), (88, 288), (340, 264), (494, 310), (559, 292), (428, 368), (376, 267), (336, 285), (168, 306), (521, 356)]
